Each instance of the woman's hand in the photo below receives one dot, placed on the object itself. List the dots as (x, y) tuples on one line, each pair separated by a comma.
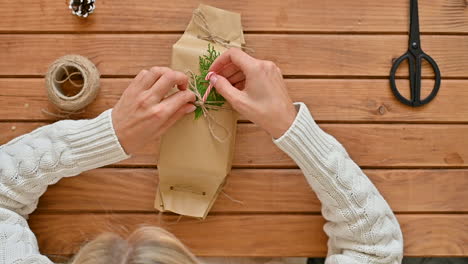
[(255, 89), (143, 113)]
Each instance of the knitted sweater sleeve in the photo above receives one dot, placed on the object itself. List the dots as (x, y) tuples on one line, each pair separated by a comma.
[(29, 163), (360, 224)]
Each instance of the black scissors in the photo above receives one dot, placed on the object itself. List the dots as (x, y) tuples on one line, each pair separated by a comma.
[(415, 55)]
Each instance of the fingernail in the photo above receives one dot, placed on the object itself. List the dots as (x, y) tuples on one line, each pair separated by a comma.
[(191, 109), (212, 77), (208, 75)]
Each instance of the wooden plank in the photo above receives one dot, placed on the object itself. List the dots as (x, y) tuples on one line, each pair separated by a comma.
[(237, 235), (277, 15), (370, 145), (117, 190), (333, 100), (316, 55), (439, 233)]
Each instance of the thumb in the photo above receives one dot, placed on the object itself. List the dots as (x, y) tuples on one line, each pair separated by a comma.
[(224, 87)]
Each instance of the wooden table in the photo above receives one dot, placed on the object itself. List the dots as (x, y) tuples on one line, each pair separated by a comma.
[(336, 57)]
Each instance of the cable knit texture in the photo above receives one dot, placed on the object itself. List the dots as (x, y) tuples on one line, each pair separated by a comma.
[(28, 164), (361, 225)]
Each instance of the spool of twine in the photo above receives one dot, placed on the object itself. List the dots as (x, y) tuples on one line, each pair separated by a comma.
[(72, 83)]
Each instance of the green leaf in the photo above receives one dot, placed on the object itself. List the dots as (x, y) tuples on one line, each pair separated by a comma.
[(201, 84), (198, 113)]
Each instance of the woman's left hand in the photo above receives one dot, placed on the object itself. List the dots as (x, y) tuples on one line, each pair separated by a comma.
[(143, 112)]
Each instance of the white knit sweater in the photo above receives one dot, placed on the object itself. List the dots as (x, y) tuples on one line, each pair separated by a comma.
[(361, 225)]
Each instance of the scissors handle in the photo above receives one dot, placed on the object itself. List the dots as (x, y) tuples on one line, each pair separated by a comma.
[(415, 65)]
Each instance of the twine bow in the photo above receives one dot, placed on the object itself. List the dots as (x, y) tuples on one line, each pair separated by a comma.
[(200, 20), (209, 105)]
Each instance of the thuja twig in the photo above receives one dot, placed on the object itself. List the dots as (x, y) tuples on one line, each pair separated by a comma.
[(205, 61)]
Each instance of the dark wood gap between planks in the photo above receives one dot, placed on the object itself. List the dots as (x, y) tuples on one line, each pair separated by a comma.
[(66, 257), (48, 121), (295, 77), (266, 167), (156, 213), (227, 213), (281, 32), (288, 168), (385, 168), (377, 122), (364, 77), (362, 167)]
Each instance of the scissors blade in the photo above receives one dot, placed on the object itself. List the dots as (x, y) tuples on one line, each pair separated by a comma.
[(414, 39), (416, 82)]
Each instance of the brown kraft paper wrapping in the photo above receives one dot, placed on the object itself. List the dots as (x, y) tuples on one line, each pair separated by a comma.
[(192, 164)]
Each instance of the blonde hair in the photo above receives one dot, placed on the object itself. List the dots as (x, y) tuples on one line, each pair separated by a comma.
[(146, 245)]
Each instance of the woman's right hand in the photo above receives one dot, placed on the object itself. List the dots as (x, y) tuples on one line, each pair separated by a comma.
[(255, 89)]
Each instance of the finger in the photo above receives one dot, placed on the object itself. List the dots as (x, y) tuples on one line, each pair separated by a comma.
[(229, 70), (167, 81), (143, 81), (146, 78), (175, 101), (236, 57), (159, 71), (237, 77), (184, 110), (224, 87), (240, 85)]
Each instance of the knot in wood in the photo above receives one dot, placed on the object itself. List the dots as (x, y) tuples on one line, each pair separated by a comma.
[(382, 110)]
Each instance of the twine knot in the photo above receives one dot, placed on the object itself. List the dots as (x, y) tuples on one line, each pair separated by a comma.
[(200, 20), (205, 106)]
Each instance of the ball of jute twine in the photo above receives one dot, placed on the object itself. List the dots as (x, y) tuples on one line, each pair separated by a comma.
[(61, 71)]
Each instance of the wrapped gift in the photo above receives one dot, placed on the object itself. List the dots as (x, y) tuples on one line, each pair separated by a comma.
[(196, 153)]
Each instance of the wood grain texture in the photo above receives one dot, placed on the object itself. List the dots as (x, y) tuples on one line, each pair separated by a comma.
[(247, 235), (314, 55), (260, 190), (333, 100), (276, 15), (370, 145), (336, 57)]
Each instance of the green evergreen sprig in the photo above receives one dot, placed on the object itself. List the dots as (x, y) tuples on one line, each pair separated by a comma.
[(201, 84)]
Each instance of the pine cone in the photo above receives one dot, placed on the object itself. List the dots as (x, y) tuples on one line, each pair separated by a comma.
[(82, 8)]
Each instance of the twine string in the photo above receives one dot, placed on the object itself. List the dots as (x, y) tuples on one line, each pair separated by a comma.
[(200, 20), (205, 106), (231, 198), (68, 77), (59, 73), (215, 107), (188, 189)]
